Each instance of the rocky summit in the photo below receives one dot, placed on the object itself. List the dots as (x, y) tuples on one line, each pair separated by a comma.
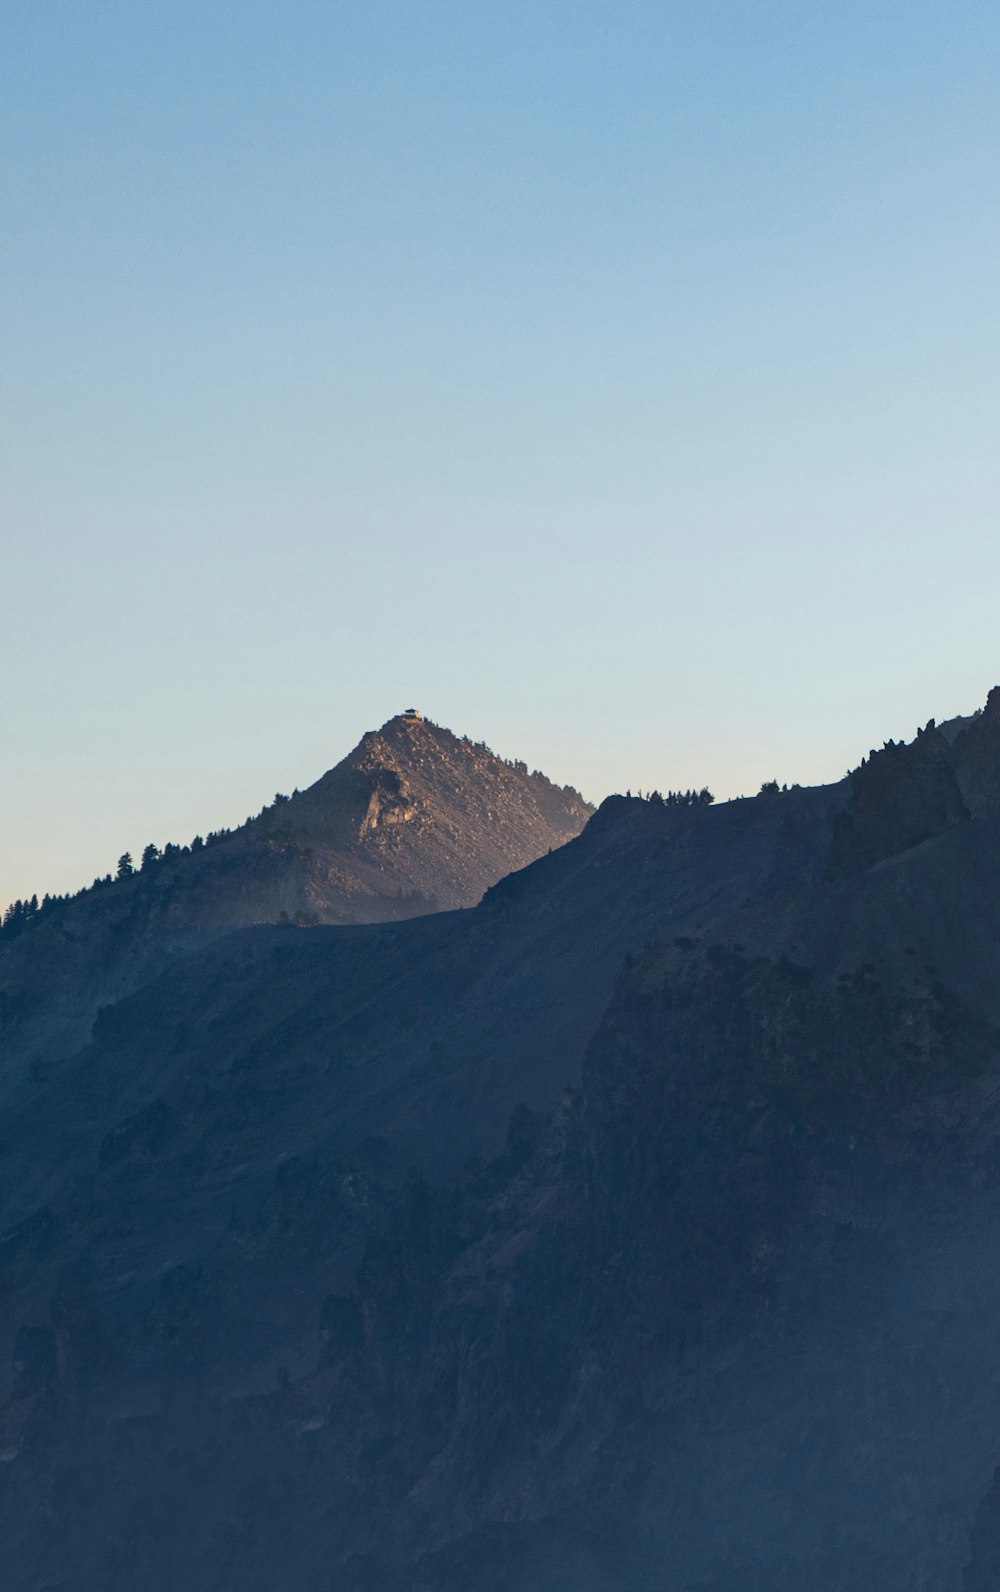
[(634, 1231), (414, 820)]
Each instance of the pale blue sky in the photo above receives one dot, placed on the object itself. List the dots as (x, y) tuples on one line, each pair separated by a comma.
[(618, 383)]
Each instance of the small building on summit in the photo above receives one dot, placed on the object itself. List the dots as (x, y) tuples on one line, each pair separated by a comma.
[(414, 715)]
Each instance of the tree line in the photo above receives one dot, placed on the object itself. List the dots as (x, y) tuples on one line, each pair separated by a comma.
[(20, 915), (677, 798)]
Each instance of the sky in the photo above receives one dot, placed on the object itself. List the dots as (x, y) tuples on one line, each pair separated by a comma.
[(617, 383)]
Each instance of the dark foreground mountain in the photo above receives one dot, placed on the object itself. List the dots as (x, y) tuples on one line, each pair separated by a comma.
[(412, 821), (636, 1230)]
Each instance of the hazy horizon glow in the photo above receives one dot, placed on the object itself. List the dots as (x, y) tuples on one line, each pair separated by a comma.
[(617, 384)]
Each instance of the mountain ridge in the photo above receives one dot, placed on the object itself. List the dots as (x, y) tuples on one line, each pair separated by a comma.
[(414, 819), (634, 1228)]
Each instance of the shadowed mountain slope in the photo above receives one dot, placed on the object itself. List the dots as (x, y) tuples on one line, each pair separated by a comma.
[(634, 1230), (413, 820), (379, 1048)]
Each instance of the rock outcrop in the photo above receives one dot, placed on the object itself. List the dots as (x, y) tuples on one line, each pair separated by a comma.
[(900, 797)]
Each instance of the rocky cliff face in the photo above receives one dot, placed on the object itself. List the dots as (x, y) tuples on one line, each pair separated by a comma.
[(900, 797), (414, 820), (910, 791)]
